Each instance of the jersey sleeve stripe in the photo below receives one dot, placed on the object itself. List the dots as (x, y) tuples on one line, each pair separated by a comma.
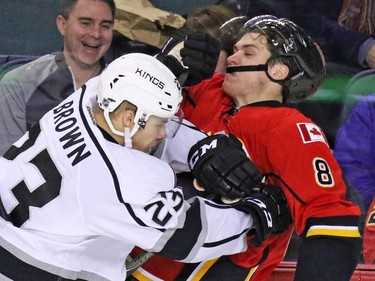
[(328, 230), (178, 247), (142, 275), (201, 271)]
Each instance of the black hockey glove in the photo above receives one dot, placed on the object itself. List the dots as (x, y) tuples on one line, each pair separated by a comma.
[(229, 31), (269, 210), (222, 168), (191, 56)]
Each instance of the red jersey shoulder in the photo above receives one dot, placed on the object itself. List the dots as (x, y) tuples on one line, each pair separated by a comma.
[(280, 124), (311, 132), (307, 130)]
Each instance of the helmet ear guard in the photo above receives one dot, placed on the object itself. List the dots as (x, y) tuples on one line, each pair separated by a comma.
[(308, 60)]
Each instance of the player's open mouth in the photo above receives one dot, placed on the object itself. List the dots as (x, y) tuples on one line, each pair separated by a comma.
[(231, 74)]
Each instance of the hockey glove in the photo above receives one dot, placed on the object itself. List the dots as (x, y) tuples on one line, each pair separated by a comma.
[(222, 168), (191, 56), (228, 33), (269, 210)]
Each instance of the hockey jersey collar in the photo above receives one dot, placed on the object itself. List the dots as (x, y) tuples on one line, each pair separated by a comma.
[(268, 103), (107, 136)]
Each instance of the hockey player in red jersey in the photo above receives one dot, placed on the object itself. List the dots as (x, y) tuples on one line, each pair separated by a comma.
[(275, 61)]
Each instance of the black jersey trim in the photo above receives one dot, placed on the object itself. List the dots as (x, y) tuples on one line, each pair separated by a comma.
[(226, 240), (106, 160), (180, 245), (193, 127), (302, 202), (334, 221), (268, 103)]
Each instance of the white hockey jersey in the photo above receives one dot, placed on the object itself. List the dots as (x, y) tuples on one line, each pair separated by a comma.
[(77, 203)]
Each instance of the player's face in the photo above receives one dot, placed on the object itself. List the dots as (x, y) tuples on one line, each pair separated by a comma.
[(148, 138), (251, 49), (87, 33)]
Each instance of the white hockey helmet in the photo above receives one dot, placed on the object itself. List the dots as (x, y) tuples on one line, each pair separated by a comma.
[(145, 82)]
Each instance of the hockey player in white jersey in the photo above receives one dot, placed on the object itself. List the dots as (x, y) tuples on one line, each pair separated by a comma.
[(78, 191)]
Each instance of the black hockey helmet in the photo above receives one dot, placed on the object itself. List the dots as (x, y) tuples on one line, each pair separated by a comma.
[(292, 46)]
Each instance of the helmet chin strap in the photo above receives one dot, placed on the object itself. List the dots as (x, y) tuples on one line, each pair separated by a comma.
[(259, 67), (127, 138), (242, 68)]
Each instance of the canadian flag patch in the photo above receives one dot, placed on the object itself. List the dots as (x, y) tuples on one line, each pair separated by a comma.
[(311, 133)]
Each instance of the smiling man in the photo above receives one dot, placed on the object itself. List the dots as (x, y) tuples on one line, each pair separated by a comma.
[(29, 91)]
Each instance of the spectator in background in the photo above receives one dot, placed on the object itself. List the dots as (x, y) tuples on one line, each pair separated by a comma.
[(355, 152), (355, 148), (27, 92), (359, 17), (210, 19), (182, 7), (348, 51)]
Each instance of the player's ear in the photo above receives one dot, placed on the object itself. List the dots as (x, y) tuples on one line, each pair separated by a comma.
[(128, 118), (279, 71)]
